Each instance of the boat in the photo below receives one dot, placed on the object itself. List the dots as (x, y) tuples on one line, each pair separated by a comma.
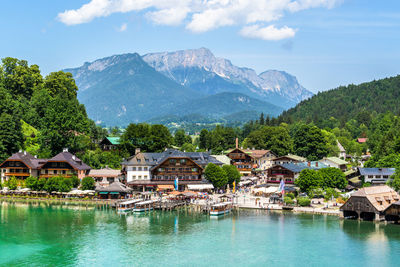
[(144, 206), (221, 208), (287, 207), (128, 205)]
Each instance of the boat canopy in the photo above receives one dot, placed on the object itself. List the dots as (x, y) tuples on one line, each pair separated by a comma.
[(222, 204), (130, 201)]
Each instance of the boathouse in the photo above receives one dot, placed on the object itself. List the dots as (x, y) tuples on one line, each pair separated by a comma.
[(369, 203), (392, 213), (115, 190)]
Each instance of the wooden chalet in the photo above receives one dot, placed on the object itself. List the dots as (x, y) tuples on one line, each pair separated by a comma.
[(158, 171), (110, 143), (288, 159), (369, 203), (20, 165), (243, 161), (64, 164)]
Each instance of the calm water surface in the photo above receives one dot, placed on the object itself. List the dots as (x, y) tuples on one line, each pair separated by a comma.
[(62, 235)]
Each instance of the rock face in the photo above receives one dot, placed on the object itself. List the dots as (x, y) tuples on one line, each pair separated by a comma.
[(128, 88), (200, 70)]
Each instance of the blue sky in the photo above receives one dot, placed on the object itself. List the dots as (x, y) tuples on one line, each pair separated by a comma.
[(324, 43)]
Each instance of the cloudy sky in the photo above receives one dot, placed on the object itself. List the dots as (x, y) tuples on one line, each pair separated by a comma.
[(325, 43)]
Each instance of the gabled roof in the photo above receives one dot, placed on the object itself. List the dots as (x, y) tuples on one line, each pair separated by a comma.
[(336, 160), (254, 153), (378, 196), (377, 171), (362, 140), (29, 160), (71, 159), (223, 159), (114, 187), (341, 148), (292, 157), (114, 140)]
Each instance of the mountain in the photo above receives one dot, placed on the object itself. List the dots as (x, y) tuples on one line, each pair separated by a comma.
[(121, 89), (200, 70), (349, 102)]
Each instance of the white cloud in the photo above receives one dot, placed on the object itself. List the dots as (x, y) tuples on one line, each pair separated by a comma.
[(203, 15), (269, 33), (123, 27)]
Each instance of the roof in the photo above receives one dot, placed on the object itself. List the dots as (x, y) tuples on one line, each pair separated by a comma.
[(336, 160), (104, 172), (257, 153), (349, 172), (298, 167), (223, 159), (154, 159), (377, 171), (29, 160), (377, 195), (292, 157), (71, 159), (112, 140), (362, 140), (114, 187)]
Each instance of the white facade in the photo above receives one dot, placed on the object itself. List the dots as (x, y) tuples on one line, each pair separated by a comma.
[(137, 173)]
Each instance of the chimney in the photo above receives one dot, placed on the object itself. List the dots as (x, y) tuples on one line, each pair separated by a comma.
[(65, 150), (20, 151), (309, 164), (237, 142), (35, 156), (73, 158), (137, 150), (25, 153)]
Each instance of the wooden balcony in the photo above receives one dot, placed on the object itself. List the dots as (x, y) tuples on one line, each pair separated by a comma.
[(17, 174)]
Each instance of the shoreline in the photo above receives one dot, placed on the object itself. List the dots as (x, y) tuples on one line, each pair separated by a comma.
[(108, 204)]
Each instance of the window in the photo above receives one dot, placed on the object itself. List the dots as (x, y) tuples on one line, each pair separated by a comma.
[(139, 168), (147, 160), (55, 172), (145, 177), (378, 176), (64, 172), (11, 163), (183, 161), (194, 169), (134, 177), (370, 176), (133, 168), (140, 177), (172, 161), (386, 176), (173, 169), (160, 169), (145, 168)]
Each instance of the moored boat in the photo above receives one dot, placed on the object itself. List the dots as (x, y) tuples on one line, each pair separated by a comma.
[(128, 205), (144, 206), (221, 208)]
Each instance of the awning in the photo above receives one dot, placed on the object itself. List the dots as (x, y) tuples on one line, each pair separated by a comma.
[(165, 187), (244, 183), (200, 186)]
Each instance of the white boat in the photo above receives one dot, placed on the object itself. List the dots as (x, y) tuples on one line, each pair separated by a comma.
[(128, 205), (221, 208), (144, 206)]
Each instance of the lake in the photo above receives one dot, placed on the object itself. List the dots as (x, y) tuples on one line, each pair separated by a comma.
[(65, 235)]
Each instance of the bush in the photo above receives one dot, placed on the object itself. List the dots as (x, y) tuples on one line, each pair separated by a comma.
[(88, 183), (31, 182), (291, 195), (329, 193), (288, 200), (75, 181), (303, 201), (58, 184), (40, 184), (12, 183)]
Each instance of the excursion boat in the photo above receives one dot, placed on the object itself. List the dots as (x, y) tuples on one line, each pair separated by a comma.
[(221, 208), (144, 206), (127, 206)]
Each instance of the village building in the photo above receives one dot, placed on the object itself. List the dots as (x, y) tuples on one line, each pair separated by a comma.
[(64, 164), (392, 213), (288, 159), (20, 165), (369, 203), (289, 172), (105, 176), (158, 171), (110, 143), (250, 160), (116, 190), (376, 175), (335, 162)]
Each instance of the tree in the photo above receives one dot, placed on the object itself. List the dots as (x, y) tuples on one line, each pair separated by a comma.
[(88, 183), (308, 179), (179, 137), (216, 175), (333, 178), (274, 138), (309, 142), (11, 137), (58, 184), (232, 174), (187, 147), (204, 139), (303, 201), (31, 182), (75, 181), (61, 84), (40, 184)]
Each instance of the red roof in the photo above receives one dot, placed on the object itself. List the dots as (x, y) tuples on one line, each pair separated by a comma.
[(362, 140)]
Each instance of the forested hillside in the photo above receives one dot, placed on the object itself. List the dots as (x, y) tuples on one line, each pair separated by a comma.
[(349, 102)]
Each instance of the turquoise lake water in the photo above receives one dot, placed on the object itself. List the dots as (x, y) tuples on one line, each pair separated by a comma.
[(55, 235)]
